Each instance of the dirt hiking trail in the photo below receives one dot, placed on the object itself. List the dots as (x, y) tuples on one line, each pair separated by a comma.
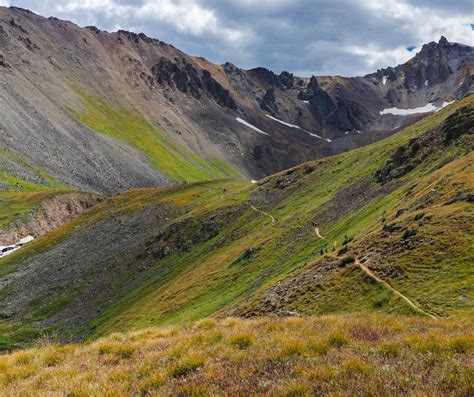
[(413, 305)]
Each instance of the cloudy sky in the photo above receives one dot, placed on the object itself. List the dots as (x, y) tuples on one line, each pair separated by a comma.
[(346, 37)]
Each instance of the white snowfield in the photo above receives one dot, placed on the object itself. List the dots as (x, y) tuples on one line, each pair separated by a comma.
[(282, 122), (384, 80), (26, 239), (297, 127), (8, 249), (444, 105), (251, 126), (428, 108)]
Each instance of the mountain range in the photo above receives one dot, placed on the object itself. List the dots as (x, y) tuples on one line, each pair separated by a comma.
[(104, 112)]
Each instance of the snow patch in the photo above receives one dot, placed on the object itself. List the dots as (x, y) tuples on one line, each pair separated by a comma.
[(320, 137), (384, 80), (427, 83), (428, 108), (26, 239), (404, 112), (250, 126), (9, 249), (282, 122), (297, 127), (444, 105), (253, 181), (305, 101)]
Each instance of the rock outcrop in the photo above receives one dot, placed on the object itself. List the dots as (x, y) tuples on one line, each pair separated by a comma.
[(49, 215)]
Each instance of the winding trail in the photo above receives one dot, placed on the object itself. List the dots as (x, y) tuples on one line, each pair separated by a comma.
[(413, 305), (316, 230), (262, 212)]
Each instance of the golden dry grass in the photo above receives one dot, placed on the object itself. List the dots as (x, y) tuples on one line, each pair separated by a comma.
[(336, 355)]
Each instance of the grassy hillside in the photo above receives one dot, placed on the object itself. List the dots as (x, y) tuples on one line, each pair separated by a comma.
[(22, 187), (15, 204), (162, 256), (178, 163), (330, 355), (16, 174)]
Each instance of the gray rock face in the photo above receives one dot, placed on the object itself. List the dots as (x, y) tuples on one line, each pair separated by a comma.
[(76, 155)]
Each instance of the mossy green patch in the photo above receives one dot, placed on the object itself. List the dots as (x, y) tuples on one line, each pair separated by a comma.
[(128, 125), (15, 183), (14, 205)]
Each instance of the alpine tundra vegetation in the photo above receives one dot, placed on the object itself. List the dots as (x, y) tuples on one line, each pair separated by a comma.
[(170, 226)]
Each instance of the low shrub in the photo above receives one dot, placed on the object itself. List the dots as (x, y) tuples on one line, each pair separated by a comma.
[(347, 260), (357, 366), (241, 341), (186, 366), (338, 340), (297, 389), (410, 232)]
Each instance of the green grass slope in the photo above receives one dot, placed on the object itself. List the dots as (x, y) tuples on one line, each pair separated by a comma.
[(177, 163), (162, 256), (25, 178), (18, 195)]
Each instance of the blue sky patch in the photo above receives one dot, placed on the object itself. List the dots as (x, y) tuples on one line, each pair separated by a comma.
[(411, 48)]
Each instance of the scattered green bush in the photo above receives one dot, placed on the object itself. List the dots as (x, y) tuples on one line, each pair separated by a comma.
[(338, 340), (186, 366), (410, 232), (347, 260), (241, 341)]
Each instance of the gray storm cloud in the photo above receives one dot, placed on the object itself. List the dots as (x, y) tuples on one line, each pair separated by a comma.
[(303, 36)]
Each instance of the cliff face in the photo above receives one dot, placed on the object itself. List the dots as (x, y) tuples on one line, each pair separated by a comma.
[(48, 215), (67, 93)]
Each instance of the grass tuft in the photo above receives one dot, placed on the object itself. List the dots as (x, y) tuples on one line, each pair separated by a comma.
[(241, 341), (187, 365), (338, 340)]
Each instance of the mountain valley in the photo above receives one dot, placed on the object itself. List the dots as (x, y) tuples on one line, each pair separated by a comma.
[(169, 226)]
